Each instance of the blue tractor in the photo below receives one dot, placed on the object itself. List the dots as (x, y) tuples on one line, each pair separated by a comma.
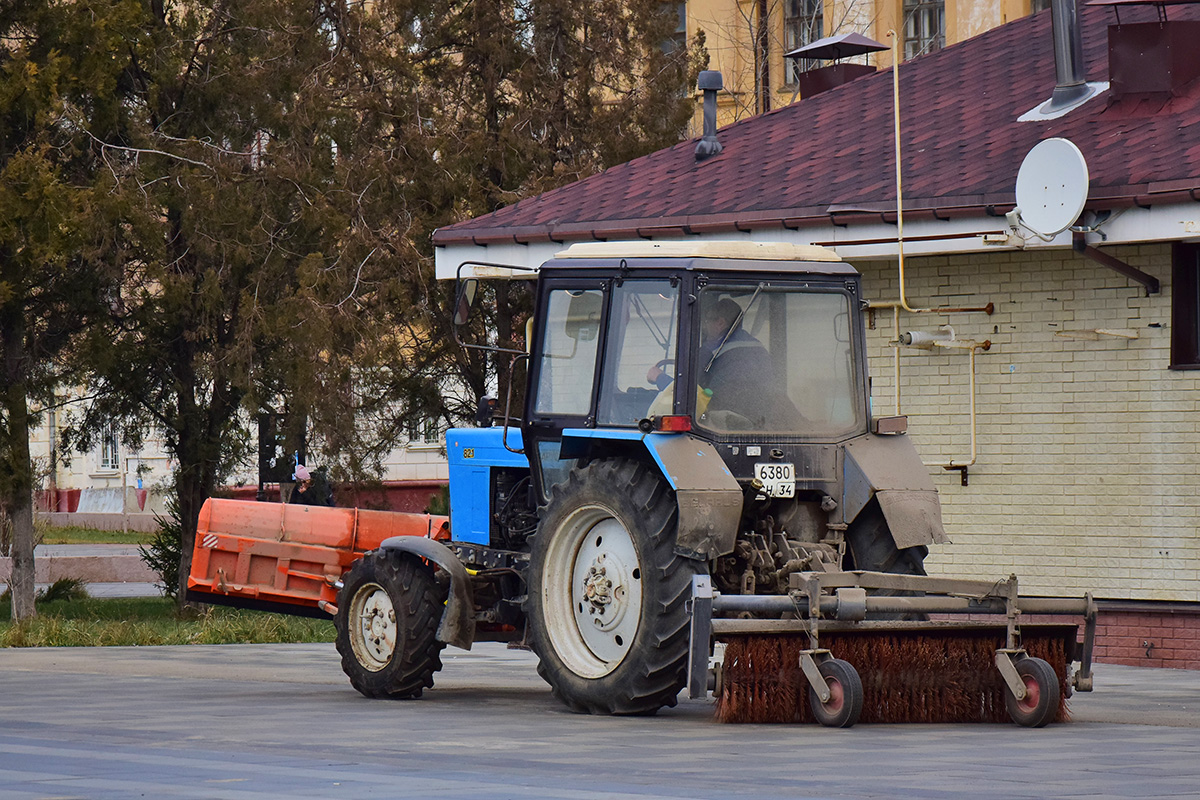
[(689, 409)]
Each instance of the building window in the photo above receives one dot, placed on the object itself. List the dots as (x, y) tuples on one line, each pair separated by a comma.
[(1038, 5), (924, 27), (110, 452), (803, 23), (423, 431), (1185, 307), (678, 39)]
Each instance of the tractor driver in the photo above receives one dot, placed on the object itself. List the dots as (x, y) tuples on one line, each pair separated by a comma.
[(735, 371)]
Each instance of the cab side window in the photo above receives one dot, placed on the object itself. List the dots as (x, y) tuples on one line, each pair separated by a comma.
[(567, 365)]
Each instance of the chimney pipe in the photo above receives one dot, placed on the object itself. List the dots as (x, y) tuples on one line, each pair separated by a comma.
[(1071, 86), (1071, 89), (710, 83)]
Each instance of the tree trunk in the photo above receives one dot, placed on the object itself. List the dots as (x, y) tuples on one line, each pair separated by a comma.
[(198, 451), (195, 480), (191, 496), (22, 578), (15, 458), (189, 449)]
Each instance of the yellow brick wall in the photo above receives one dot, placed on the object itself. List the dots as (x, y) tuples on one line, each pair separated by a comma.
[(1088, 475)]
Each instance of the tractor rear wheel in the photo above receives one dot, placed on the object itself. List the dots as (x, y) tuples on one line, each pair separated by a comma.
[(871, 546), (388, 613), (607, 591)]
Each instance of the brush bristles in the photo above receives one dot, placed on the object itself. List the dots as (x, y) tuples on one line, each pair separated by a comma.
[(946, 675)]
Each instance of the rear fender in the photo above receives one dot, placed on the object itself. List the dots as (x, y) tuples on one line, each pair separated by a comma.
[(889, 467), (706, 493), (458, 620)]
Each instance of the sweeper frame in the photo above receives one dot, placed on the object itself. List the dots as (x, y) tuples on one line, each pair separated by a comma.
[(835, 603)]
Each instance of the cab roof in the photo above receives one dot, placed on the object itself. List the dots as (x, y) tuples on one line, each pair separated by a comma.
[(723, 255)]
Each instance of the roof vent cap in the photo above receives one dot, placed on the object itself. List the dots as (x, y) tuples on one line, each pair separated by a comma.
[(710, 83), (833, 49)]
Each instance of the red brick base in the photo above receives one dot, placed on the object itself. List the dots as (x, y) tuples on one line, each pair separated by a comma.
[(1148, 637), (1132, 633)]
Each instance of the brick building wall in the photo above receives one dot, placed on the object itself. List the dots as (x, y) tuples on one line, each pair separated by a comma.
[(1087, 474)]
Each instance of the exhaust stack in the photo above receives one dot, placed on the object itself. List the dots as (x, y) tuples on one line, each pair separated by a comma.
[(710, 83)]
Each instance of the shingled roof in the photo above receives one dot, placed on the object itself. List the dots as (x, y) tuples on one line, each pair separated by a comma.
[(829, 158)]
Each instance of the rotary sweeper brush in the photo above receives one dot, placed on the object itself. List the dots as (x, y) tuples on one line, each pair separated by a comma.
[(816, 654)]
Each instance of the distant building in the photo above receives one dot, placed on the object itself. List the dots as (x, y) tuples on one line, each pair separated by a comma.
[(747, 39)]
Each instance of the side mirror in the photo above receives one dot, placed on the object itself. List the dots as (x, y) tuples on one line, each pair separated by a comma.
[(464, 299)]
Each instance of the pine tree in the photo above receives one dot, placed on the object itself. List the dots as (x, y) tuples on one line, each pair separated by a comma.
[(266, 242), (505, 99), (59, 245), (291, 161)]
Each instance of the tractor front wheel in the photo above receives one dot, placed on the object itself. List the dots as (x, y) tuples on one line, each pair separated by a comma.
[(388, 612), (607, 591)]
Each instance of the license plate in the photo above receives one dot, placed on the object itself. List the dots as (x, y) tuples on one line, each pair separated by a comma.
[(779, 480)]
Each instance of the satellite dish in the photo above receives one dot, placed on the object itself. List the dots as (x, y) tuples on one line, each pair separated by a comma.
[(1052, 187)]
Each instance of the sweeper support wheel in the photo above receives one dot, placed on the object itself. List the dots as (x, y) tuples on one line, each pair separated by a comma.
[(1040, 701), (835, 692)]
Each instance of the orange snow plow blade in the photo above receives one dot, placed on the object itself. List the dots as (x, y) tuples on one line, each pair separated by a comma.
[(280, 557)]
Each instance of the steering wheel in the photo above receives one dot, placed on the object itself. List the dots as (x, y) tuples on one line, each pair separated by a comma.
[(665, 362)]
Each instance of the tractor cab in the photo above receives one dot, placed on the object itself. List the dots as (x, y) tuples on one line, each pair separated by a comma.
[(754, 348)]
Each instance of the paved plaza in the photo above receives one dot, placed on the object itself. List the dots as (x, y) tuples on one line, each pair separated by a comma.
[(280, 721)]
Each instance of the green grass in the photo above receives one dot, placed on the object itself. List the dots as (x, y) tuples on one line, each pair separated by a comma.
[(121, 621), (76, 535)]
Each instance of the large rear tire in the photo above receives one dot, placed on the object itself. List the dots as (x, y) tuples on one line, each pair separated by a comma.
[(389, 609), (607, 591), (871, 547)]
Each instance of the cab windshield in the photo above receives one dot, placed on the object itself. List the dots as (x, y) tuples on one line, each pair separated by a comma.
[(775, 360)]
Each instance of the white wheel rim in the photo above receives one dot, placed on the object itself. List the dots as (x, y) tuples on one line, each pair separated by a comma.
[(592, 592), (372, 623)]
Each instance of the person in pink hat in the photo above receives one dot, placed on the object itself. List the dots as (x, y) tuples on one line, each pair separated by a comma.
[(304, 492)]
